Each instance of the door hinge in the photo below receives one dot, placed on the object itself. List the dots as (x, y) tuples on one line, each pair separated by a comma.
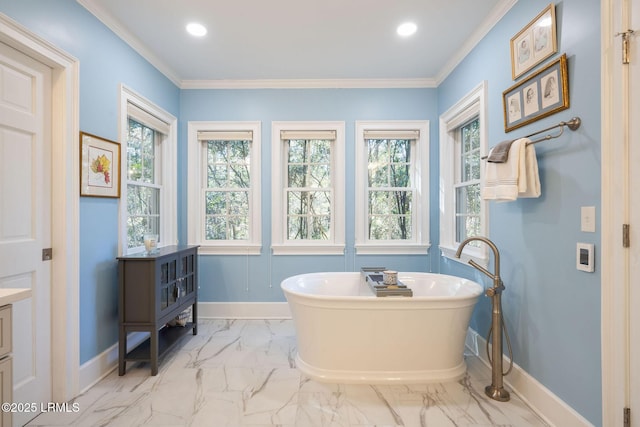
[(625, 45), (625, 236), (626, 415), (47, 254)]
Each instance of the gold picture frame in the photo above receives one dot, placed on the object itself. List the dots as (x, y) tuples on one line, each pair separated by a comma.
[(99, 166), (542, 94), (534, 43)]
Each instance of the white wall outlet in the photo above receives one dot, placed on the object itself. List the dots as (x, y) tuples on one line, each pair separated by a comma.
[(584, 257), (588, 219)]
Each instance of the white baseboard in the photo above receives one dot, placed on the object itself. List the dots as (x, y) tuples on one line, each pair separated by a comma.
[(100, 366), (539, 398), (244, 310)]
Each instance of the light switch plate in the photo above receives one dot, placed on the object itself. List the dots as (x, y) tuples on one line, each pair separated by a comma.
[(588, 219)]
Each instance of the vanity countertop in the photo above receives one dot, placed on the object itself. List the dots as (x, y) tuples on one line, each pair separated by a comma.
[(11, 295)]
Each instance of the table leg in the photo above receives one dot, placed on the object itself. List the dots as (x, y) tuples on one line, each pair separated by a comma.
[(153, 341), (122, 351)]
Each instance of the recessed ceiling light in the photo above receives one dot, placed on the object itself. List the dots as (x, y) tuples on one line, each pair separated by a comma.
[(195, 29), (407, 29)]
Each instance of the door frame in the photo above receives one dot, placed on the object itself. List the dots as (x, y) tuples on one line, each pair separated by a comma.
[(65, 200), (615, 270)]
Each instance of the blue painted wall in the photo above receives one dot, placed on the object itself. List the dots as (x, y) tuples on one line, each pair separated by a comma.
[(552, 310), (105, 62), (257, 278), (549, 305)]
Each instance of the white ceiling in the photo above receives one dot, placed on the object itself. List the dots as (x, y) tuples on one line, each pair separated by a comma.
[(329, 42)]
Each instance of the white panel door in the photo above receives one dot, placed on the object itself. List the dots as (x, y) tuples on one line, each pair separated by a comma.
[(25, 218), (634, 215)]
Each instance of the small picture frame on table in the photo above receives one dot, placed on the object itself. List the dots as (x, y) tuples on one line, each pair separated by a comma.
[(99, 166)]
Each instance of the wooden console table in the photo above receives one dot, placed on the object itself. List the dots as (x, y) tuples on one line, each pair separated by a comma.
[(153, 290)]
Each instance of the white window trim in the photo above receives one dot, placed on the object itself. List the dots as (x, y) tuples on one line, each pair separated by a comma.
[(420, 245), (195, 232), (281, 246), (471, 105), (169, 154)]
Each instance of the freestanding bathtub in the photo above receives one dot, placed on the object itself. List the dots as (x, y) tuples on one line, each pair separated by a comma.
[(347, 335)]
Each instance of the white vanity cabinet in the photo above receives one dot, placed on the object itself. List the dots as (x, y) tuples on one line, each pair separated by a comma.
[(7, 298), (6, 362)]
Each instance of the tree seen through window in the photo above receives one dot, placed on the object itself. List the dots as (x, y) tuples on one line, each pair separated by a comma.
[(308, 192), (390, 189), (143, 190), (227, 190), (467, 191)]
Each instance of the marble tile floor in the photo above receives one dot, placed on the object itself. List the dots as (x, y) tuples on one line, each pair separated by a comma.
[(242, 373)]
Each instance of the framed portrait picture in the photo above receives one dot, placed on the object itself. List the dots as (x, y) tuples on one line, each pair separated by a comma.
[(534, 43), (544, 93), (99, 166)]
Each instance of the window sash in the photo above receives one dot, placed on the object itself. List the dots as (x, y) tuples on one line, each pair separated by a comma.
[(144, 192), (390, 214), (468, 211), (468, 151), (226, 186), (467, 201), (230, 168), (231, 221), (143, 214), (308, 173), (147, 150), (388, 220)]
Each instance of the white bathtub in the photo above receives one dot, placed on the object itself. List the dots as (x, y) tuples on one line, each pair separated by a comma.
[(347, 335)]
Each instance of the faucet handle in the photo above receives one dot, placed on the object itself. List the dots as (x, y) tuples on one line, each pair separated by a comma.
[(480, 268), (496, 290)]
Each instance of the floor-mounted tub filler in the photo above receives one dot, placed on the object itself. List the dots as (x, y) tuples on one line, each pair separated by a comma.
[(345, 334), (496, 390)]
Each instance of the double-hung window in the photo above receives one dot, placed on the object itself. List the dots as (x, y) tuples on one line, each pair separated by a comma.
[(463, 141), (392, 181), (308, 188), (468, 212), (149, 153), (224, 190)]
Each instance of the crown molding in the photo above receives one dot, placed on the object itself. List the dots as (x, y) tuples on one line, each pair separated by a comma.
[(110, 22), (309, 84), (498, 12)]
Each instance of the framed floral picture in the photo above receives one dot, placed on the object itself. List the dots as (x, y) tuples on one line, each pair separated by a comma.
[(534, 43), (99, 166)]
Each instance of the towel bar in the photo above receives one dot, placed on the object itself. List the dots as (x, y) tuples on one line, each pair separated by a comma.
[(572, 124)]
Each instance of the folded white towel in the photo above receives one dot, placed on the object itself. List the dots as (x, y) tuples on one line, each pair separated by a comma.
[(532, 188), (517, 177)]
